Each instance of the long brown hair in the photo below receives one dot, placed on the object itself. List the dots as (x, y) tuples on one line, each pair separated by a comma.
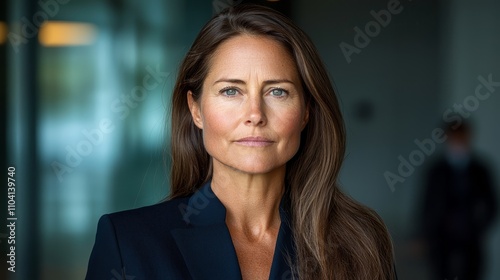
[(335, 237)]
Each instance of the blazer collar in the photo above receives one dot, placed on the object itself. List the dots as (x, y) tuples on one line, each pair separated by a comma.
[(204, 208), (206, 244)]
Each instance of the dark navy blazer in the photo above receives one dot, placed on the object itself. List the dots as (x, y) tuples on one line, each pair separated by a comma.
[(184, 238)]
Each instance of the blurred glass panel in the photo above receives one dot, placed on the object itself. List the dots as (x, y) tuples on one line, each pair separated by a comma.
[(105, 75)]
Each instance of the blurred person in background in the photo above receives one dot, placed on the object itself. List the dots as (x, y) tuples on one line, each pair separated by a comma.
[(459, 207), (254, 191)]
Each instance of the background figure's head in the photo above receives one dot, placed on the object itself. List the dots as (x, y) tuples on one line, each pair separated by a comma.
[(458, 144), (459, 133)]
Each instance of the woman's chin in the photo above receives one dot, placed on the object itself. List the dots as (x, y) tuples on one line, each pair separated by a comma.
[(255, 167)]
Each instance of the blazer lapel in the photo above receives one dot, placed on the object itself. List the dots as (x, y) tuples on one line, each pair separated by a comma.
[(205, 243), (284, 253), (208, 252)]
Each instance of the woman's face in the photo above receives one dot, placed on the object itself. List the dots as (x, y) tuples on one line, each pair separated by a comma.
[(252, 107)]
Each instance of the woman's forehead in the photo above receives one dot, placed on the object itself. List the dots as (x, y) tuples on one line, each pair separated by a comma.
[(250, 55)]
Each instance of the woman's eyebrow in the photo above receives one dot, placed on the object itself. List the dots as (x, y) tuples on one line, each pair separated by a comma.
[(267, 82), (278, 81), (232, 81)]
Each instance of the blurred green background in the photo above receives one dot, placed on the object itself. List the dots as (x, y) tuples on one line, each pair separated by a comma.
[(86, 85)]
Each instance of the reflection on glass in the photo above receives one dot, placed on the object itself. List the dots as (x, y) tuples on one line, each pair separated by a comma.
[(59, 34)]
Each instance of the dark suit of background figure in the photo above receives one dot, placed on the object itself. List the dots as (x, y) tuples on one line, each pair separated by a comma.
[(459, 206)]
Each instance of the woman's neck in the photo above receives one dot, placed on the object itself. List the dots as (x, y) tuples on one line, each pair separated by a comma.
[(251, 200)]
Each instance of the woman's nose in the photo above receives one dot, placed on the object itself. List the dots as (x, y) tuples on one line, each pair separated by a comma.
[(255, 114)]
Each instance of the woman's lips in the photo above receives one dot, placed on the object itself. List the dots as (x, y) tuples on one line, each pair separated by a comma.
[(254, 141)]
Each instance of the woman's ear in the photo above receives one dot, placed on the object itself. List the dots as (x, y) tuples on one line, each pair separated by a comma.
[(195, 110)]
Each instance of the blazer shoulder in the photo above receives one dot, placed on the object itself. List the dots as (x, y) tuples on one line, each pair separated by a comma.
[(138, 242), (166, 214)]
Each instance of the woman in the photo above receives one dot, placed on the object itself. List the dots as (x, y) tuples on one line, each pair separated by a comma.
[(257, 144)]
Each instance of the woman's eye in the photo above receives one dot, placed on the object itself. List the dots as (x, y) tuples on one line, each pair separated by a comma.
[(277, 92), (229, 92)]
